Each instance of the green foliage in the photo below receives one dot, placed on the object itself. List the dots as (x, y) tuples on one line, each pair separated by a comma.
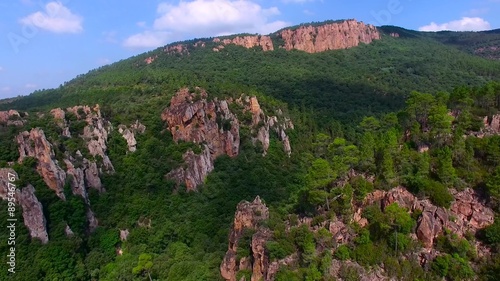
[(342, 253), (453, 267)]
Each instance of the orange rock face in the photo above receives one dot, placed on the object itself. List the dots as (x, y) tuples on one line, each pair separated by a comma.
[(249, 42), (34, 144), (335, 36)]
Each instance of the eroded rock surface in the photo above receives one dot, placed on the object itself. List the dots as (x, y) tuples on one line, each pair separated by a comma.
[(35, 144), (247, 216), (130, 132), (11, 118), (249, 42), (467, 213), (334, 36), (32, 209)]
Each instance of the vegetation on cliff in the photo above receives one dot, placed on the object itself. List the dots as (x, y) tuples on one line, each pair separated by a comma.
[(402, 111)]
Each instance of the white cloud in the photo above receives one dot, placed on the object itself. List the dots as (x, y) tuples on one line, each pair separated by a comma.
[(55, 18), (147, 39), (308, 12), (477, 12), (204, 18), (103, 61), (296, 1), (464, 24), (141, 24), (1, 69), (30, 86), (5, 89)]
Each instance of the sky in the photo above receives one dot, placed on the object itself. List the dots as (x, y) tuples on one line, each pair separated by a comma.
[(46, 43)]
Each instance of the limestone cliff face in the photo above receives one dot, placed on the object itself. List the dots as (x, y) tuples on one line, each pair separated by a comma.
[(248, 42), (32, 209), (247, 216), (35, 144), (467, 213), (334, 36), (191, 117)]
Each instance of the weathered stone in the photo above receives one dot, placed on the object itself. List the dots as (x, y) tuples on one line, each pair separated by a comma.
[(334, 36), (11, 118), (260, 259), (32, 209), (249, 42), (34, 144), (124, 234), (196, 170), (247, 216)]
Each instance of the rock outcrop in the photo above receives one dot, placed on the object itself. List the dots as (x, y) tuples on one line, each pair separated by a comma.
[(196, 170), (262, 125), (32, 209), (467, 213), (95, 133), (35, 144), (191, 117), (60, 118), (248, 42), (247, 217), (177, 49), (129, 133), (334, 36), (11, 118), (492, 125)]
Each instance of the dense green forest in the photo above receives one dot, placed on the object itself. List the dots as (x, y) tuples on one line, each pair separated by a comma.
[(367, 109)]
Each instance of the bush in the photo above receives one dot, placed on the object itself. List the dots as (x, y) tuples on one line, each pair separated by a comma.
[(342, 253)]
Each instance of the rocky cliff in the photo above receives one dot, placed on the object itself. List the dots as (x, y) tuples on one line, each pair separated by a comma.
[(32, 209), (81, 170), (334, 36), (35, 144), (247, 217), (308, 38), (130, 132), (11, 118), (248, 42), (468, 213), (191, 117)]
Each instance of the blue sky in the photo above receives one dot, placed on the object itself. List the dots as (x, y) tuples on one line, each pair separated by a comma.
[(45, 43)]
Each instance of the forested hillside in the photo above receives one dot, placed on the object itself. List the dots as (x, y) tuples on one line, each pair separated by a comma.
[(247, 158)]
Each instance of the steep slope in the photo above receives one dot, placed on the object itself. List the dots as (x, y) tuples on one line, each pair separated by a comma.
[(318, 135)]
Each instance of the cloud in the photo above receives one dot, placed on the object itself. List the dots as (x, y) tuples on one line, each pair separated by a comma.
[(296, 1), (55, 18), (147, 39), (103, 61), (477, 12), (464, 24), (1, 69), (308, 12), (204, 18), (30, 86), (5, 89)]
